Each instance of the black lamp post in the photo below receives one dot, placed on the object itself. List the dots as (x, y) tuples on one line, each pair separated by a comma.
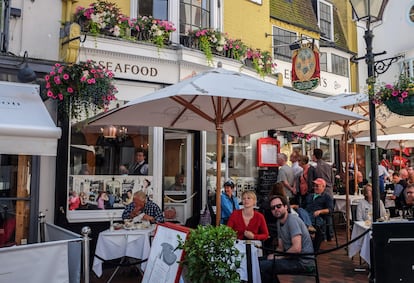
[(371, 11)]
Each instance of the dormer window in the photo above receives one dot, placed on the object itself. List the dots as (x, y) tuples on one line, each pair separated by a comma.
[(325, 19)]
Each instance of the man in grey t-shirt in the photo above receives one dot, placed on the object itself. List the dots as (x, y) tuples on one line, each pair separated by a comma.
[(293, 237)]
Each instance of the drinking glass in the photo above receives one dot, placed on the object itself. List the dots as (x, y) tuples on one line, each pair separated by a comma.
[(387, 215)]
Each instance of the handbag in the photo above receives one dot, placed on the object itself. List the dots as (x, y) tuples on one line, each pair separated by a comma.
[(205, 217)]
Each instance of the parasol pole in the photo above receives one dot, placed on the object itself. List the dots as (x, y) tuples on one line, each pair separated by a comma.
[(219, 129), (347, 181), (356, 187)]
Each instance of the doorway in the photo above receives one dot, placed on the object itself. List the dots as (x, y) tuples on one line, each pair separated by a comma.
[(178, 175)]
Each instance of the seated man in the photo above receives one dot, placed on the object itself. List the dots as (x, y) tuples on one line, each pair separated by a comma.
[(360, 182), (293, 237), (316, 204), (142, 208), (409, 201)]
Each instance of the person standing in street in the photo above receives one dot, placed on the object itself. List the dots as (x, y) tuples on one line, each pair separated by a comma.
[(324, 170), (286, 176)]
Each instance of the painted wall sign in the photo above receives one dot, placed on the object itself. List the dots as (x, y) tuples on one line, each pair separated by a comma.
[(305, 68)]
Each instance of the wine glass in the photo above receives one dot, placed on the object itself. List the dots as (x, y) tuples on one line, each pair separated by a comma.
[(400, 213)]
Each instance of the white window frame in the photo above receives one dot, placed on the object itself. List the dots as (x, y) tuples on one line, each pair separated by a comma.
[(331, 20)]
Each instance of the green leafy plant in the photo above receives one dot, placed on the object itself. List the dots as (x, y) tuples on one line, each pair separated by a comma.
[(262, 61), (210, 255), (77, 87), (236, 49)]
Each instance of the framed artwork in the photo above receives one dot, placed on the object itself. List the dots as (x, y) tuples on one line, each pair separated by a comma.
[(163, 262), (267, 150)]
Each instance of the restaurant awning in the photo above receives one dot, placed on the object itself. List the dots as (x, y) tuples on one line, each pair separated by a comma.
[(26, 127)]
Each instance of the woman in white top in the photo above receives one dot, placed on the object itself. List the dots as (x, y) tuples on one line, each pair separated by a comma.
[(364, 207)]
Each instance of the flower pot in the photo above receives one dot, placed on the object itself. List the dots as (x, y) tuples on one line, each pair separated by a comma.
[(406, 108)]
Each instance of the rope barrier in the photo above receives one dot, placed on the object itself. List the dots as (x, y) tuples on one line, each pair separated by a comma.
[(181, 200), (317, 252)]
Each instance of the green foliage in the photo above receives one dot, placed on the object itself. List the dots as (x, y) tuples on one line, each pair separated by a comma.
[(210, 255), (77, 87)]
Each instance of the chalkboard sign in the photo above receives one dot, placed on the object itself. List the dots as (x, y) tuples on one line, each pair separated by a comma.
[(267, 178)]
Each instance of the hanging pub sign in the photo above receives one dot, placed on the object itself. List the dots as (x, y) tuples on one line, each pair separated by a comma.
[(305, 67)]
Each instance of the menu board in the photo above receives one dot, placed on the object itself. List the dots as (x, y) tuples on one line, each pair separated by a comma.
[(267, 178)]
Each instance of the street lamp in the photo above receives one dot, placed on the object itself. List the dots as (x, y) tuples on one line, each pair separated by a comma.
[(371, 11)]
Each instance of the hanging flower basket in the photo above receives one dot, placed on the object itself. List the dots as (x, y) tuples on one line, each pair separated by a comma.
[(80, 88), (399, 98), (404, 108)]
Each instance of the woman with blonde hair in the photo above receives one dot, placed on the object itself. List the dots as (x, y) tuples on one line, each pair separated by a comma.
[(247, 222)]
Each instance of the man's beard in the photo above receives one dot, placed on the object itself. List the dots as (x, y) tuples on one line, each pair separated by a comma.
[(281, 215)]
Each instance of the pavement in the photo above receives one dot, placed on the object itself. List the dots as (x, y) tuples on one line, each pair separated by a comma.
[(334, 267)]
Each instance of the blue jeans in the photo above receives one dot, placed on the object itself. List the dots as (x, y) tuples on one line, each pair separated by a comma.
[(269, 271)]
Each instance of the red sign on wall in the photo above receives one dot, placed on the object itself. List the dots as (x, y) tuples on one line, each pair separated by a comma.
[(267, 150)]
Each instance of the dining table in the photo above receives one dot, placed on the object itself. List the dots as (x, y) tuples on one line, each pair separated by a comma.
[(340, 202), (131, 242), (362, 245)]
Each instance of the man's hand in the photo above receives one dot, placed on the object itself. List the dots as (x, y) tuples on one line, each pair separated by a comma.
[(148, 218)]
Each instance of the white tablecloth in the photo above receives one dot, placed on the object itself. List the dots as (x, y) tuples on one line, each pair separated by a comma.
[(120, 243), (340, 202), (241, 246), (363, 244)]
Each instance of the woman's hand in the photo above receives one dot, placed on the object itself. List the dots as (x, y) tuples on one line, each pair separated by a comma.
[(249, 235)]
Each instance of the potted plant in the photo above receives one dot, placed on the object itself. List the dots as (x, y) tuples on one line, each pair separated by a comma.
[(210, 255), (105, 18), (78, 88), (398, 97)]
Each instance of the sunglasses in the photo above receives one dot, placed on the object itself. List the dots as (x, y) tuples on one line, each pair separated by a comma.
[(278, 206)]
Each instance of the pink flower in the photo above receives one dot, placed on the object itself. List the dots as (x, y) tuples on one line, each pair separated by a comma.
[(70, 90), (404, 94), (66, 76), (57, 80), (395, 93), (60, 96)]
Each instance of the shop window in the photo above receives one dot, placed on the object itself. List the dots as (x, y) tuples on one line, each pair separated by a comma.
[(238, 162), (194, 14), (281, 41), (104, 164), (15, 192)]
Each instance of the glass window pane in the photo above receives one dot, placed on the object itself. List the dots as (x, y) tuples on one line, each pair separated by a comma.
[(323, 62), (14, 214), (194, 14), (156, 8), (281, 40)]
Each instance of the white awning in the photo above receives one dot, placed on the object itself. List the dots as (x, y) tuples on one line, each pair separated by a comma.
[(26, 127)]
